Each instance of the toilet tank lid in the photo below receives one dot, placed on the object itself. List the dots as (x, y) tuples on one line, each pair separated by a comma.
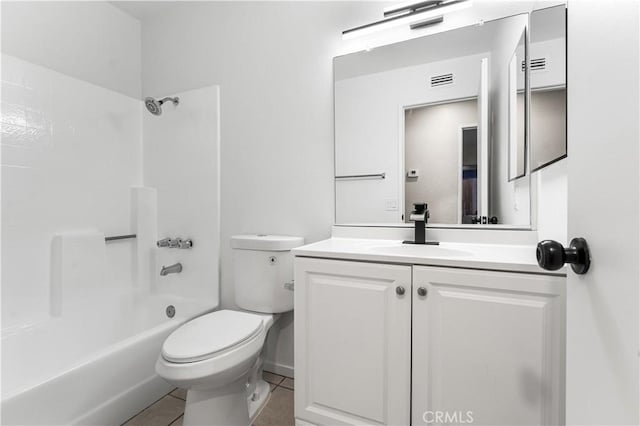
[(266, 242)]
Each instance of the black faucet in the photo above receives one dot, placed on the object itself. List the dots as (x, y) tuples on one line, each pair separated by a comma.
[(420, 216)]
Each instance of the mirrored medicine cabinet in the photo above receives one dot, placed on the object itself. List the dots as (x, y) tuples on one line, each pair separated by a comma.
[(455, 119)]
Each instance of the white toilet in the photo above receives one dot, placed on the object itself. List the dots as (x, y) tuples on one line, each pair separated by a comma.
[(217, 357)]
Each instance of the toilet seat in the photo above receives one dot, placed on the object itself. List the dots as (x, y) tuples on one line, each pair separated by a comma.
[(209, 335)]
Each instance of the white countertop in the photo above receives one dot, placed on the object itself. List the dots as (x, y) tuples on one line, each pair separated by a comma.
[(500, 257)]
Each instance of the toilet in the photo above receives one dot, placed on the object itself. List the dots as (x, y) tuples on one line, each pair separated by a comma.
[(218, 357)]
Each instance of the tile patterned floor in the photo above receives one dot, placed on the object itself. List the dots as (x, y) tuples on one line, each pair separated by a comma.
[(169, 410)]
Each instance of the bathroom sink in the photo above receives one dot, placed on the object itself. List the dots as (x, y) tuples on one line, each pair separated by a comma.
[(418, 250)]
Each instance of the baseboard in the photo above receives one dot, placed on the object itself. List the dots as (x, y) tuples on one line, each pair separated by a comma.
[(277, 368), (119, 409)]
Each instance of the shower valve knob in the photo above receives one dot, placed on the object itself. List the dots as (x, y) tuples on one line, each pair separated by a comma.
[(177, 243)]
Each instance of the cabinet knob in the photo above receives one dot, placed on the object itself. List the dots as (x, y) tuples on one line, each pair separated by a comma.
[(399, 290), (422, 291)]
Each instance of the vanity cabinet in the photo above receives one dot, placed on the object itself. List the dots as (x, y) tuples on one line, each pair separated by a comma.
[(389, 344), (353, 342), (488, 347)]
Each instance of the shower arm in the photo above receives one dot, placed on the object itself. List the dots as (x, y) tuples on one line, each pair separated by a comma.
[(174, 100)]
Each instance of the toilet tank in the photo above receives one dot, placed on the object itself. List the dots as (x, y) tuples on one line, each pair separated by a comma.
[(262, 265)]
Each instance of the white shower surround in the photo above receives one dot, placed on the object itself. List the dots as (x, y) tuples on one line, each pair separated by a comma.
[(93, 362)]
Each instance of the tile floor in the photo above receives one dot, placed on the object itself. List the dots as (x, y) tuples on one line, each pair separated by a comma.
[(169, 410)]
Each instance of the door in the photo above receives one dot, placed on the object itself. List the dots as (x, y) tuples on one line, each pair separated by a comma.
[(603, 138), (353, 342), (488, 347)]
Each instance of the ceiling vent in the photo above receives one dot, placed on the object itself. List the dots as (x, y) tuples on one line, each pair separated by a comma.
[(441, 80), (537, 64)]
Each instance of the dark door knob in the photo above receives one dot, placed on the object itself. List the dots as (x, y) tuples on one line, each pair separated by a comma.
[(552, 256)]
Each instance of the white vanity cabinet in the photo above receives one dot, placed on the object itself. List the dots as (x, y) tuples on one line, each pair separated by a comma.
[(353, 342), (458, 346), (488, 347)]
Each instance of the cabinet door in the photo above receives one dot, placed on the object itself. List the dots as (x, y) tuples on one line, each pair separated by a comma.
[(353, 343), (488, 348)]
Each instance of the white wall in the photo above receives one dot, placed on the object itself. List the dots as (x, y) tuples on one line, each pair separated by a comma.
[(70, 155), (91, 41), (182, 162), (273, 63)]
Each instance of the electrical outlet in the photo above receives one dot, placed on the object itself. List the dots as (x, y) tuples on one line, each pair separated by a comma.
[(413, 173)]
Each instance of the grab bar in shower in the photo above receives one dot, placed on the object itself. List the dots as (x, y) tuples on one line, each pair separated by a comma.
[(374, 176), (120, 237)]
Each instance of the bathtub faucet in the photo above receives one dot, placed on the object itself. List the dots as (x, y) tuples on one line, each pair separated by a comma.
[(173, 269)]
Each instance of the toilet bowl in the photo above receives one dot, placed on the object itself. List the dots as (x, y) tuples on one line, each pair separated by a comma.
[(218, 357), (213, 357)]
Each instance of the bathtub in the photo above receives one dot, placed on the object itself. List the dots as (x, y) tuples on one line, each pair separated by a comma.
[(92, 366)]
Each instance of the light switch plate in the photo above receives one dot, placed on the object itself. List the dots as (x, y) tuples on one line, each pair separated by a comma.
[(391, 205)]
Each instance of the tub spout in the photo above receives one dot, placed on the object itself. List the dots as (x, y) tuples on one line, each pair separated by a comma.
[(173, 269)]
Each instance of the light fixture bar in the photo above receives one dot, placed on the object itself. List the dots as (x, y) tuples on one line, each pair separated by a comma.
[(410, 7), (411, 17), (426, 22)]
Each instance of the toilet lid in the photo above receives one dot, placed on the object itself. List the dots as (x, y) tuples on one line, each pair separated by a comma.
[(209, 334)]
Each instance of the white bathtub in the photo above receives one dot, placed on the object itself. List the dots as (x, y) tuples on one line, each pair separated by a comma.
[(90, 367)]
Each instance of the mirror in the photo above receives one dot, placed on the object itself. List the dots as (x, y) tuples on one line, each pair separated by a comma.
[(548, 86), (439, 119)]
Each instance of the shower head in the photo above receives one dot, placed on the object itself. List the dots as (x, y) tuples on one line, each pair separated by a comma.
[(155, 107)]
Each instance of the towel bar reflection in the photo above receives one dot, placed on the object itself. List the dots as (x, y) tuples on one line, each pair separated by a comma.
[(371, 176), (120, 237)]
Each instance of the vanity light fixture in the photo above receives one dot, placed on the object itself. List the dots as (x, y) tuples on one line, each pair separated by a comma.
[(417, 15), (426, 22)]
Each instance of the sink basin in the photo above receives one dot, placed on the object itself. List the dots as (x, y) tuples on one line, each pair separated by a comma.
[(418, 250)]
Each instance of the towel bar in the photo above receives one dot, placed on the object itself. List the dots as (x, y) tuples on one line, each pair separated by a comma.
[(120, 237), (376, 175)]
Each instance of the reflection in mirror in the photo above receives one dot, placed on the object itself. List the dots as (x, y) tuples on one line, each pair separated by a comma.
[(435, 147), (548, 86), (433, 114), (468, 175)]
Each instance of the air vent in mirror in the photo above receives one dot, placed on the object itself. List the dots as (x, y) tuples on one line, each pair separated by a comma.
[(538, 64), (441, 80)]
